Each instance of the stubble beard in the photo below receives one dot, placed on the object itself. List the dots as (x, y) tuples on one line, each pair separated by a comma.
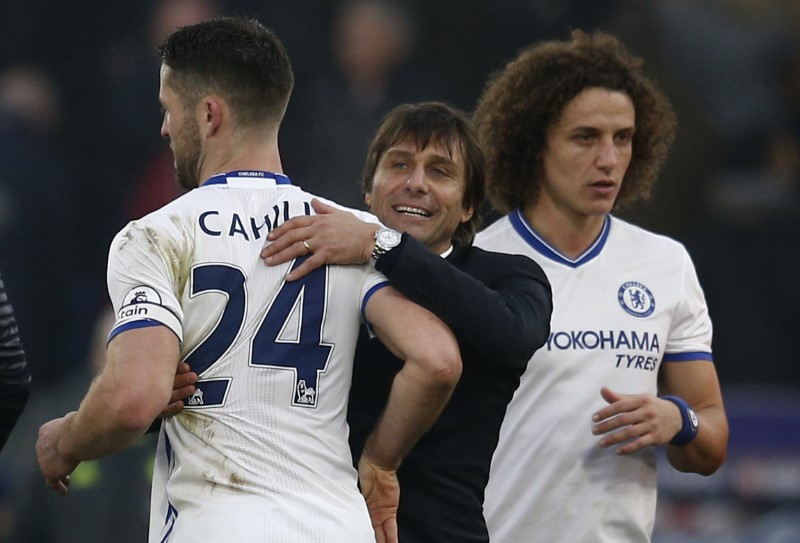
[(187, 160)]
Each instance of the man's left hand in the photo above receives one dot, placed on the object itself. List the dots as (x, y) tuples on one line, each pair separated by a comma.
[(640, 420), (381, 490), (333, 236)]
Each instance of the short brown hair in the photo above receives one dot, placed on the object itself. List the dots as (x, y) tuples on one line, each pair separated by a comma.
[(522, 101), (239, 59), (436, 122)]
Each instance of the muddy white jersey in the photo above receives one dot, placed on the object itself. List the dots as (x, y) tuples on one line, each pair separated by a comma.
[(629, 303), (260, 452)]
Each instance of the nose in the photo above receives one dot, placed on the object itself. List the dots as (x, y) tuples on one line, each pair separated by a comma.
[(607, 155), (416, 181), (164, 131)]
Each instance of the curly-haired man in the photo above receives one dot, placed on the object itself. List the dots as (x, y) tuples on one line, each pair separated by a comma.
[(573, 129)]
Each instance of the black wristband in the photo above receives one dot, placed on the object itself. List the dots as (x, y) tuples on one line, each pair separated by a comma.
[(690, 423)]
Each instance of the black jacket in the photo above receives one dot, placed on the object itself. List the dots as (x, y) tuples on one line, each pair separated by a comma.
[(498, 307), (14, 375)]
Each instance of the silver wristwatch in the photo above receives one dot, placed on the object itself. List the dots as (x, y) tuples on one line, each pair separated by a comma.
[(386, 239)]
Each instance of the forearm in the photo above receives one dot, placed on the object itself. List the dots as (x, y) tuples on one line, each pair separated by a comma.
[(124, 400), (517, 301), (101, 426), (415, 402), (706, 453), (696, 383)]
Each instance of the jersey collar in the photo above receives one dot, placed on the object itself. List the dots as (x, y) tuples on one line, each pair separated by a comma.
[(539, 245), (242, 178)]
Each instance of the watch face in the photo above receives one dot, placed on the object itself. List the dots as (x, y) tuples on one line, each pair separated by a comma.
[(388, 238)]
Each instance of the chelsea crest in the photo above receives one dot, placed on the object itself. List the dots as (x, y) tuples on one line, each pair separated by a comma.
[(636, 299)]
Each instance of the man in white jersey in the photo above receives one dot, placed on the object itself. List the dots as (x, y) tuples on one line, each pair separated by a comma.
[(260, 453), (572, 129)]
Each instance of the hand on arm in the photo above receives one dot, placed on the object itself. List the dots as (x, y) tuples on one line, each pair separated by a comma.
[(333, 235), (182, 388), (419, 392), (122, 402)]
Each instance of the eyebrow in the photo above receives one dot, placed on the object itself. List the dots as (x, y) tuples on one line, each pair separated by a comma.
[(591, 128), (437, 158), (397, 152)]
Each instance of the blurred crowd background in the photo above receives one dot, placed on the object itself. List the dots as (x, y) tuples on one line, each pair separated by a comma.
[(80, 156)]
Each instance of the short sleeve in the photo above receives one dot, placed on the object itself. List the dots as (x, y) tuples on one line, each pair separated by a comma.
[(691, 331), (142, 283)]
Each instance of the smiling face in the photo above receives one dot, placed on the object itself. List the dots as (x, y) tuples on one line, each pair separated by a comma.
[(181, 128), (420, 192), (587, 154)]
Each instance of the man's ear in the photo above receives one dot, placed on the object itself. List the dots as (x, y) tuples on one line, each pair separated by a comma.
[(212, 114), (466, 213)]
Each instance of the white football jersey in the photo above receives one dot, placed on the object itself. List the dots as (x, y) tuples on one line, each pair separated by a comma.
[(631, 302), (260, 453)]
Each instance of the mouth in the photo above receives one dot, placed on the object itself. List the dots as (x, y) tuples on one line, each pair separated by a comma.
[(603, 187), (413, 211)]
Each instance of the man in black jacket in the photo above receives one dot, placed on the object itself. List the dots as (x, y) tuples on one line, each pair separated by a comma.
[(14, 375), (424, 178)]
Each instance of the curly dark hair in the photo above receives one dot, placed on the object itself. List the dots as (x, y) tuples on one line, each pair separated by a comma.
[(523, 100), (434, 122)]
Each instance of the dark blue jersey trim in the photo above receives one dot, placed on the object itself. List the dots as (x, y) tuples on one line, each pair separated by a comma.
[(145, 323), (533, 239), (687, 357), (369, 294), (222, 178)]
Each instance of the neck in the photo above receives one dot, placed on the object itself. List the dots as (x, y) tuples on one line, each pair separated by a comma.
[(253, 155), (569, 234)]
